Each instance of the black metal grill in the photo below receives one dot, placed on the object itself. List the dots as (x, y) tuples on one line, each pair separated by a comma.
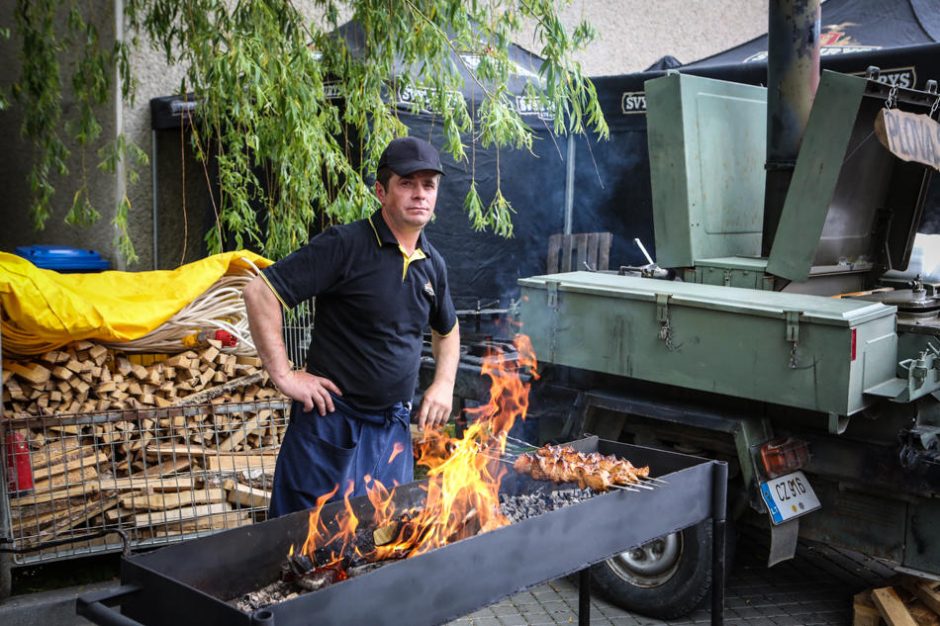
[(193, 583)]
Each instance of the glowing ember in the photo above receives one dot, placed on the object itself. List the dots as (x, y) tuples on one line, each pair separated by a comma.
[(463, 478)]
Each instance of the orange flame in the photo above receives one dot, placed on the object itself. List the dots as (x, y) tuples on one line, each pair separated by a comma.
[(462, 490)]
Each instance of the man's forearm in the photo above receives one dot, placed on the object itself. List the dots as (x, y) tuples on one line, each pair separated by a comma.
[(265, 322), (446, 352)]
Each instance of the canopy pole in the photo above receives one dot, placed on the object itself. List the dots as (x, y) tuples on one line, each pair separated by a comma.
[(569, 186)]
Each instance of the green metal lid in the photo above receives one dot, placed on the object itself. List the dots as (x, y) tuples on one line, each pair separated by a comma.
[(852, 206), (831, 311)]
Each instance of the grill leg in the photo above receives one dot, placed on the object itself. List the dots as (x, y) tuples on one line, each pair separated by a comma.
[(584, 597), (719, 511)]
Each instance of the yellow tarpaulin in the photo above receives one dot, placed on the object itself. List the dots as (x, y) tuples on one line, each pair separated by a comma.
[(44, 310)]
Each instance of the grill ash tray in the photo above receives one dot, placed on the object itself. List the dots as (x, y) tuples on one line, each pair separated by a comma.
[(196, 582)]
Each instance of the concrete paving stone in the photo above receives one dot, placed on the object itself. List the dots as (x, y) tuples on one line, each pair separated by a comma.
[(556, 607), (485, 621), (534, 613), (788, 620), (545, 620), (544, 592), (524, 597), (624, 620), (482, 613), (514, 620), (501, 610)]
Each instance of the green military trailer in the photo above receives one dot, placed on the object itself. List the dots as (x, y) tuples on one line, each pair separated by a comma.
[(781, 345)]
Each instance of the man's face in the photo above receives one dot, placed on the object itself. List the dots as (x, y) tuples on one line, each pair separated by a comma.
[(409, 201)]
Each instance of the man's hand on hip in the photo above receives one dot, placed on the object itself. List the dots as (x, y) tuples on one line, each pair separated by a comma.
[(435, 405), (309, 390)]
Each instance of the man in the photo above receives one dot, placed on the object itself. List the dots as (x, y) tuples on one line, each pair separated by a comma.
[(378, 283)]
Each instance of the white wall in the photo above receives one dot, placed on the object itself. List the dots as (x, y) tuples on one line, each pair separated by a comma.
[(632, 34)]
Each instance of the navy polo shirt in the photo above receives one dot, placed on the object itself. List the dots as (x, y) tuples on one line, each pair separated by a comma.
[(373, 304)]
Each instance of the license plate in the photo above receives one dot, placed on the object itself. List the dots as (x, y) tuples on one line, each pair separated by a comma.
[(788, 497)]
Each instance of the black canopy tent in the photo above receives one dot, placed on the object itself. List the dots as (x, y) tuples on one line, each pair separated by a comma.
[(852, 27)]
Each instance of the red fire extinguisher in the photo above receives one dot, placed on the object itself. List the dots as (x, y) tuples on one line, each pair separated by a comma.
[(19, 468)]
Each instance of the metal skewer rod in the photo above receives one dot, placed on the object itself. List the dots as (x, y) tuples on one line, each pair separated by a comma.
[(624, 488)]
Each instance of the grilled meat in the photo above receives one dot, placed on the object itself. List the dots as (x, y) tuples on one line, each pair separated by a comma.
[(564, 464)]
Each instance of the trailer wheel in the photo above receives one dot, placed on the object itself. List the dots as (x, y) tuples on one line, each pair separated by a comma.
[(665, 578)]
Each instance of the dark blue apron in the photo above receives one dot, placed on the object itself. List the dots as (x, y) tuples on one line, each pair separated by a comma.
[(320, 452)]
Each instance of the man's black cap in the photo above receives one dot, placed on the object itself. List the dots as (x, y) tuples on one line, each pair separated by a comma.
[(407, 155)]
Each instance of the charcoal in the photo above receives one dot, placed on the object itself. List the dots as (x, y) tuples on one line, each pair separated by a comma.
[(519, 507), (274, 593)]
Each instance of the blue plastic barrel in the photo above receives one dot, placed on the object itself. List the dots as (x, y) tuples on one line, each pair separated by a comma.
[(64, 259)]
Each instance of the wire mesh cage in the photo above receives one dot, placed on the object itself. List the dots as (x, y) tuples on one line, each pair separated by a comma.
[(117, 464), (157, 475), (298, 325)]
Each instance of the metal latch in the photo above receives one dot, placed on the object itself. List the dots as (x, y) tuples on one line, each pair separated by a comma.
[(662, 316), (793, 336), (552, 288)]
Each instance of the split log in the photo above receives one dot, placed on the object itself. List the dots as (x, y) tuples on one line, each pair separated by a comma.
[(208, 394), (175, 515), (164, 501), (864, 611), (891, 607), (245, 496), (237, 462), (51, 496), (928, 591), (65, 480), (82, 458)]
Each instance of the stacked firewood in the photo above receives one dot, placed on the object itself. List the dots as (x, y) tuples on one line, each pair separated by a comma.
[(162, 446), (87, 377), (904, 601), (157, 475)]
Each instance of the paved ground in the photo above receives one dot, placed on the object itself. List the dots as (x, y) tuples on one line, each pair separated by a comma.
[(815, 588)]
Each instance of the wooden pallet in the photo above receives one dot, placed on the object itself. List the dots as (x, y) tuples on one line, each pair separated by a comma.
[(905, 601)]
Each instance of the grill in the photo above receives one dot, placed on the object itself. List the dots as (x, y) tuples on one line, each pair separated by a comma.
[(193, 583)]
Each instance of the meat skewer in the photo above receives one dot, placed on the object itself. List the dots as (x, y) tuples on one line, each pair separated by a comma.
[(565, 464)]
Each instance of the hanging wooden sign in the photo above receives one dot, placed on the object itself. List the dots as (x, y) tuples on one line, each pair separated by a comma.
[(909, 136)]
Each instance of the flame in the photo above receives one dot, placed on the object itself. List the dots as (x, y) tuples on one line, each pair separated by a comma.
[(462, 490)]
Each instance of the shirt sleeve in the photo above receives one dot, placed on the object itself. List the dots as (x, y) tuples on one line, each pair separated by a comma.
[(443, 315), (308, 271)]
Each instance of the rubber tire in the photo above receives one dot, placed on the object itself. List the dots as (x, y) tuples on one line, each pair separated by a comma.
[(676, 596)]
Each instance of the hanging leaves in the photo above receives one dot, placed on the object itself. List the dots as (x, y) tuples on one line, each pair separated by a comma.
[(293, 117)]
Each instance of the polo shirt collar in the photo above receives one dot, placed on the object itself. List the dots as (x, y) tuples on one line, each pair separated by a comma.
[(384, 234)]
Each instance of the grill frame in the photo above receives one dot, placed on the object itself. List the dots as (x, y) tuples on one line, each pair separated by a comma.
[(184, 584)]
